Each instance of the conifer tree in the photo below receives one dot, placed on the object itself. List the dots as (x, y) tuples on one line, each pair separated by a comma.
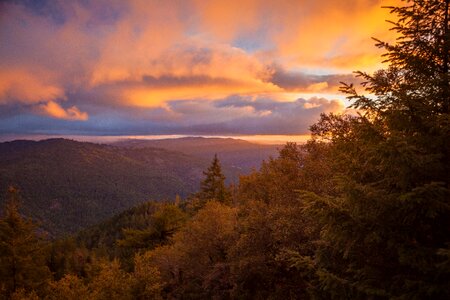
[(164, 222), (22, 263), (387, 232), (213, 186)]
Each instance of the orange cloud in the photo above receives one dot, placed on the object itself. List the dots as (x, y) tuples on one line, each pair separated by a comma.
[(23, 86), (130, 47), (55, 110), (149, 52), (151, 40), (224, 19), (334, 35), (195, 70), (156, 96), (194, 58)]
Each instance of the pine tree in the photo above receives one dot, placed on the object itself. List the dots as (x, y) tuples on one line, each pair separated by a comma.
[(22, 264), (213, 186), (164, 222), (387, 232)]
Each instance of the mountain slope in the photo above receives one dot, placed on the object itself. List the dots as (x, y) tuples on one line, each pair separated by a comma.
[(239, 154), (68, 185)]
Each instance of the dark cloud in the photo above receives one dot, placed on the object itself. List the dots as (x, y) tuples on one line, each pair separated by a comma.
[(274, 117), (174, 81), (233, 115), (298, 81), (261, 104)]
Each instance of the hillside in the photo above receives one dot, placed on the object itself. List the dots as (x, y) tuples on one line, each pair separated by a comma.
[(105, 234), (68, 185), (238, 154)]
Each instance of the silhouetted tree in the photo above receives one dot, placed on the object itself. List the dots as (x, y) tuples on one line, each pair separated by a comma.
[(213, 186), (387, 232)]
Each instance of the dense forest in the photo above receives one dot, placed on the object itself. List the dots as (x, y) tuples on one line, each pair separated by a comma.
[(67, 185), (361, 211)]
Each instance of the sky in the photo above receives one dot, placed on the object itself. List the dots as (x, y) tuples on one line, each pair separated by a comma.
[(187, 67)]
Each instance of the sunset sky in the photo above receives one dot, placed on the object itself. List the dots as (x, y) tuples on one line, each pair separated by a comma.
[(190, 67)]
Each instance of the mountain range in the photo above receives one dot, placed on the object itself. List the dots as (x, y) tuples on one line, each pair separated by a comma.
[(241, 155), (68, 185)]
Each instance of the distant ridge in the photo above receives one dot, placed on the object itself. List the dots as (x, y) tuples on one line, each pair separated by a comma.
[(236, 153), (68, 185)]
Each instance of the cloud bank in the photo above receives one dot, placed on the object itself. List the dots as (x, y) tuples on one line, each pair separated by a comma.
[(157, 67)]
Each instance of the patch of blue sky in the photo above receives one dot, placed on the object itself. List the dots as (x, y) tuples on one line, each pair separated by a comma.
[(46, 8), (320, 71), (254, 41)]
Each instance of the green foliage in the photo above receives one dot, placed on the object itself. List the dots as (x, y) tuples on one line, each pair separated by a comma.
[(164, 222), (135, 230), (105, 234), (22, 264)]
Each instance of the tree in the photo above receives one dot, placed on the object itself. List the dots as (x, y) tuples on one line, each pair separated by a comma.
[(70, 287), (111, 283), (195, 265), (276, 181), (213, 186), (271, 220), (386, 233), (148, 284), (265, 230), (298, 167), (22, 261), (164, 222)]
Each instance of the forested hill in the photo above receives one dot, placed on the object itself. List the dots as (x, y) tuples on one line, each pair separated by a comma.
[(68, 185), (241, 155)]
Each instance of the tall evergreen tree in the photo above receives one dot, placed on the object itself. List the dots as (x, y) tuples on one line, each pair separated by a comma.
[(213, 186), (22, 263), (387, 232)]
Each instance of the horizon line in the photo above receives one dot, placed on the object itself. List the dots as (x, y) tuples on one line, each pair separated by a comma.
[(267, 139)]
